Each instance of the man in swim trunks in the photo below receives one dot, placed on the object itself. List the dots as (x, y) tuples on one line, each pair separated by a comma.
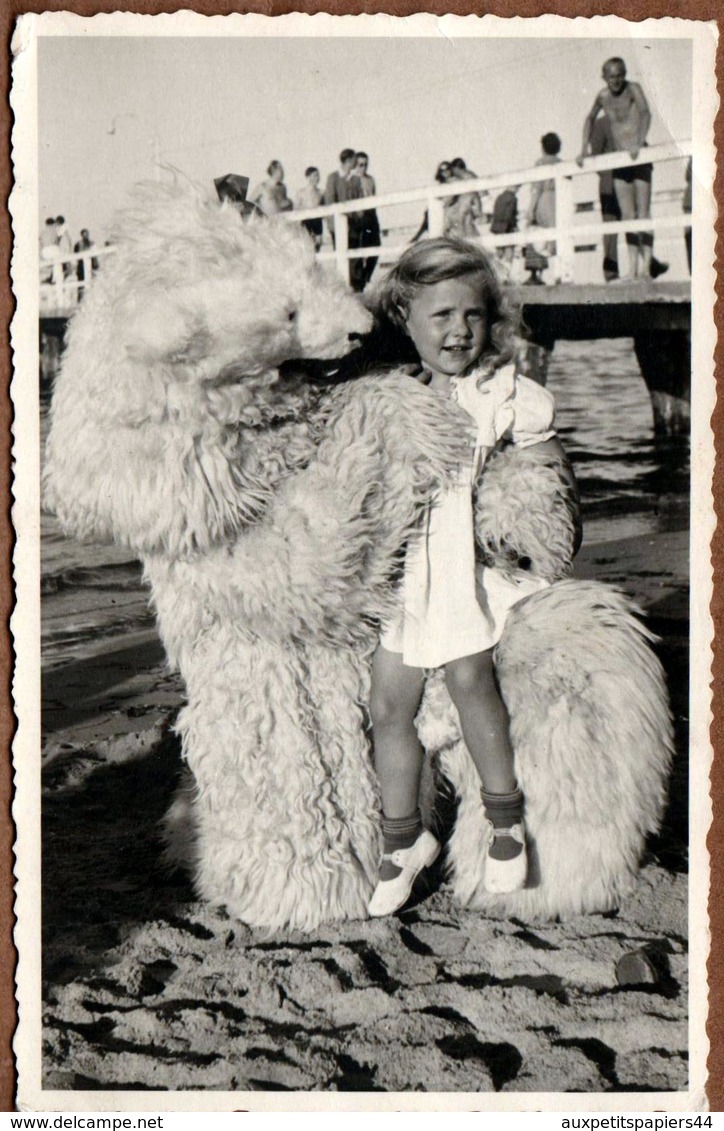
[(627, 110), (602, 142)]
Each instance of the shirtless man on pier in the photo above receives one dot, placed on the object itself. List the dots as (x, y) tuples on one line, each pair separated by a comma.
[(627, 110)]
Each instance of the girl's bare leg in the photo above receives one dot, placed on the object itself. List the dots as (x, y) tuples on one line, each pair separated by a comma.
[(483, 719), (394, 701), (408, 847), (485, 726)]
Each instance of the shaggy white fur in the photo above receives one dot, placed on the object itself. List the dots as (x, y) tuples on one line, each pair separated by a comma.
[(270, 517)]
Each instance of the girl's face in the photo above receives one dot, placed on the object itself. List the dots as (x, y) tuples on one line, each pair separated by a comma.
[(448, 324)]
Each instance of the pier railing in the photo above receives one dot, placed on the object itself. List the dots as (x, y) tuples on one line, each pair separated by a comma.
[(62, 283), (60, 287), (565, 233)]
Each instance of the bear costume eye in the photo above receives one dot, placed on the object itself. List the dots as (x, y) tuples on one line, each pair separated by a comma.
[(292, 316)]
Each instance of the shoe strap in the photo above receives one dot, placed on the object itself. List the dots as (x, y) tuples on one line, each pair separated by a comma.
[(395, 852), (514, 832)]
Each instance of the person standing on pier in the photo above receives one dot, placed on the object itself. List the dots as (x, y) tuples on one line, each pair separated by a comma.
[(85, 243), (505, 220), (602, 142), (625, 105), (65, 245), (343, 185), (271, 195), (370, 235), (469, 204), (542, 205), (310, 196), (48, 249), (444, 174)]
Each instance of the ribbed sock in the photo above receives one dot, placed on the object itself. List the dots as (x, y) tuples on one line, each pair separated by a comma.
[(398, 832), (401, 832), (504, 810)]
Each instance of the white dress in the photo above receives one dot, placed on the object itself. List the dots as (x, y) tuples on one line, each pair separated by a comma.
[(451, 606)]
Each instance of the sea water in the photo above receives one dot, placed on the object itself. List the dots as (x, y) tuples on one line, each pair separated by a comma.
[(630, 483)]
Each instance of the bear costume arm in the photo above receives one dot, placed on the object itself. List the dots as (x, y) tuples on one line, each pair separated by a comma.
[(321, 561), (527, 510)]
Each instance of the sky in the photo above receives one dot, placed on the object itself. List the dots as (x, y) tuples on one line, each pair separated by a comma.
[(233, 103)]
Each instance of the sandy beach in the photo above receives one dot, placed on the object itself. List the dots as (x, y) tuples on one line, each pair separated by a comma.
[(146, 988)]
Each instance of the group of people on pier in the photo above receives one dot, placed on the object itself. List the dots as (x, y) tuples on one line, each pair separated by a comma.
[(56, 245), (351, 181), (619, 120)]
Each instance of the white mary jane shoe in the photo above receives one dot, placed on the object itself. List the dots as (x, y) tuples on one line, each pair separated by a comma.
[(504, 876), (390, 895)]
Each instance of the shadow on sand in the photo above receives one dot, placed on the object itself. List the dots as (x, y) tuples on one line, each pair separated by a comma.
[(103, 869)]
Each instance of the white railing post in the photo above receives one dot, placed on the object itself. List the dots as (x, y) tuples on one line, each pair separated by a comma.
[(57, 280), (564, 220), (435, 216), (341, 244)]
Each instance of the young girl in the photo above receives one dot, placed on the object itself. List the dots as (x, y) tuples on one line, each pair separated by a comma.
[(446, 295)]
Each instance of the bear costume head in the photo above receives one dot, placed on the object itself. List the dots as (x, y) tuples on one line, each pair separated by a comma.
[(197, 312)]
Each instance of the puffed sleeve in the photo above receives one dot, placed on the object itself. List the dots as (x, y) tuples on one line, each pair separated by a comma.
[(533, 410)]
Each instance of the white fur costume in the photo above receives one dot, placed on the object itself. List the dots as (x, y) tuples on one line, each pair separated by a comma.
[(270, 517)]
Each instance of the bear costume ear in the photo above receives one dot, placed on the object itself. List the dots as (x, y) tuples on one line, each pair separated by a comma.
[(123, 461), (166, 331)]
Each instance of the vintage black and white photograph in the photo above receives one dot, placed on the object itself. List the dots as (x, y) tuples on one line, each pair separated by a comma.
[(363, 506)]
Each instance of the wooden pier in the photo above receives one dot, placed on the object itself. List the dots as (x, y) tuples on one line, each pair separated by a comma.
[(657, 315)]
